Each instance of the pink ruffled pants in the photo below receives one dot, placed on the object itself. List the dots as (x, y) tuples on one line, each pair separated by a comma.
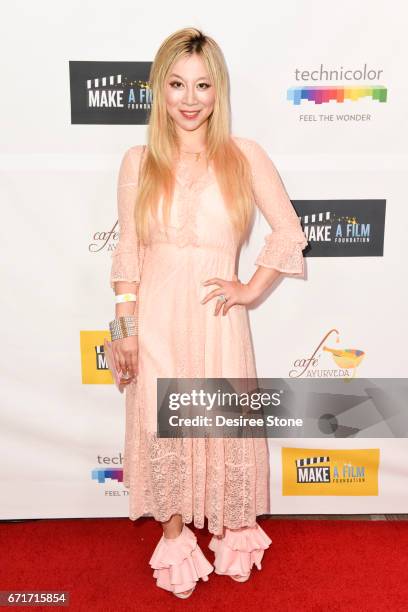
[(178, 563)]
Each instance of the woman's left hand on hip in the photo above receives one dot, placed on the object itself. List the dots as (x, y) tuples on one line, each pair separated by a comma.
[(234, 291)]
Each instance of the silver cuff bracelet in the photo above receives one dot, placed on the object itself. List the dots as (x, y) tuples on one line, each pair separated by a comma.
[(123, 326)]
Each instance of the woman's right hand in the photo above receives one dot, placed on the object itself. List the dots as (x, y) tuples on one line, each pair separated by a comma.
[(126, 357)]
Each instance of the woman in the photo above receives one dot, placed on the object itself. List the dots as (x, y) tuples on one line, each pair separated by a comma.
[(185, 202)]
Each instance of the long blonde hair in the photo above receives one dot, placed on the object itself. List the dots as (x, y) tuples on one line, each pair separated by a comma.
[(231, 166)]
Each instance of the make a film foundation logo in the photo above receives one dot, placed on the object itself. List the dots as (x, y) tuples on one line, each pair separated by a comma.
[(110, 93), (330, 471), (94, 367), (343, 228)]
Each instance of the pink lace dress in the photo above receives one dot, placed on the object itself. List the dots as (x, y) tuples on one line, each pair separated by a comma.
[(223, 479)]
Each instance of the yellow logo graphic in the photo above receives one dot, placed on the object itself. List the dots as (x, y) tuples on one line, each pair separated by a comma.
[(346, 361), (93, 363), (318, 471)]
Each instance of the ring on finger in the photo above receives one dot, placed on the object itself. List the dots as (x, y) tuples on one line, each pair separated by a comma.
[(222, 298)]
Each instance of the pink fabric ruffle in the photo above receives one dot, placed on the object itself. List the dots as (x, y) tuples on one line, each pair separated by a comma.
[(239, 550), (179, 563), (283, 252)]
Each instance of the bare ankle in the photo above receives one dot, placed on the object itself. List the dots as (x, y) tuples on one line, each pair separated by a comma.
[(173, 527)]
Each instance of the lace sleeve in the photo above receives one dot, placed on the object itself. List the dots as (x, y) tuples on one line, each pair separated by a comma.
[(283, 246), (127, 258)]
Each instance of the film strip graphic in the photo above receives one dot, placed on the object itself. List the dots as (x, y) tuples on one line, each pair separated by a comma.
[(315, 218), (307, 461), (114, 80), (104, 81)]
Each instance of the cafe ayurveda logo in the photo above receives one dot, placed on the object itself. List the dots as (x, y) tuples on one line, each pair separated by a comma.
[(327, 361), (105, 240), (320, 86)]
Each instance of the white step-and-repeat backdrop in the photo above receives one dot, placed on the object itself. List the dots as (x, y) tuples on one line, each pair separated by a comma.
[(324, 91)]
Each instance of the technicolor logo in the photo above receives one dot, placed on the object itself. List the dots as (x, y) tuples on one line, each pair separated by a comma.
[(102, 474), (324, 94), (353, 91), (341, 362), (308, 471), (107, 468)]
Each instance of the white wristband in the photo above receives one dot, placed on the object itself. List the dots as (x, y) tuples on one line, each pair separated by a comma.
[(125, 297)]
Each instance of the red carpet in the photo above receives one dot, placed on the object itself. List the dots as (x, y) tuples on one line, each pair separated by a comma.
[(316, 566)]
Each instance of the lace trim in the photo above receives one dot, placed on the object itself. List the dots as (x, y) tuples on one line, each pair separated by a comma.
[(282, 253), (125, 267), (187, 202), (127, 259)]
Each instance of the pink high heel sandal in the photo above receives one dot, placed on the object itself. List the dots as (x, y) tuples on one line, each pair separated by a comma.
[(179, 563), (238, 551)]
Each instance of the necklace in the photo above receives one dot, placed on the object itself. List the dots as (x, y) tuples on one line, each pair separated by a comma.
[(197, 154)]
